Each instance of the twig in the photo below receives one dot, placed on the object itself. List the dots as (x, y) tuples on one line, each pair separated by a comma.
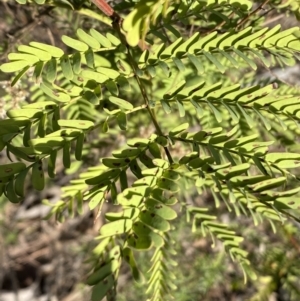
[(222, 23), (245, 19), (117, 24)]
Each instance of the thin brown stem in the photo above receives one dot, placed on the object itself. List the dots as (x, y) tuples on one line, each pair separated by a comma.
[(117, 23), (245, 19), (222, 23)]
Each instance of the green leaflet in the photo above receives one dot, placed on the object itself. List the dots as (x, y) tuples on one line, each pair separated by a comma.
[(113, 74), (215, 61), (287, 203), (240, 141), (248, 180), (115, 162), (100, 290), (76, 124), (49, 141), (75, 44), (98, 77), (174, 90), (90, 58), (160, 209), (13, 66), (161, 163), (154, 221), (116, 227), (27, 113), (51, 68), (201, 135), (121, 103), (130, 213), (148, 180), (128, 256), (170, 49), (267, 184), (65, 133), (40, 54), (59, 96), (140, 242), (19, 75), (138, 142), (202, 42), (87, 39), (38, 70), (156, 172), (154, 150), (178, 64), (38, 178), (284, 160), (252, 37), (278, 194), (10, 193), (31, 59), (231, 40), (104, 271), (100, 38), (256, 94), (51, 164), (232, 171), (182, 49), (259, 41), (141, 229), (127, 153), (79, 146), (133, 196), (166, 106), (20, 182), (96, 199), (113, 39), (179, 129), (76, 63), (52, 50), (11, 169), (66, 67)]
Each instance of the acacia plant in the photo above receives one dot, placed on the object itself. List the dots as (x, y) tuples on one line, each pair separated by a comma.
[(180, 82)]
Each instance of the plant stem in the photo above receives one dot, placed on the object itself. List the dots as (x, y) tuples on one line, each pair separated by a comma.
[(116, 23)]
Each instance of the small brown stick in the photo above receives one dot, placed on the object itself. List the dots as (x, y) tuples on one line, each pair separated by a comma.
[(108, 10)]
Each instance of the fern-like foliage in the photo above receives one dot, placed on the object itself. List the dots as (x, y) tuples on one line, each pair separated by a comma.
[(105, 88)]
